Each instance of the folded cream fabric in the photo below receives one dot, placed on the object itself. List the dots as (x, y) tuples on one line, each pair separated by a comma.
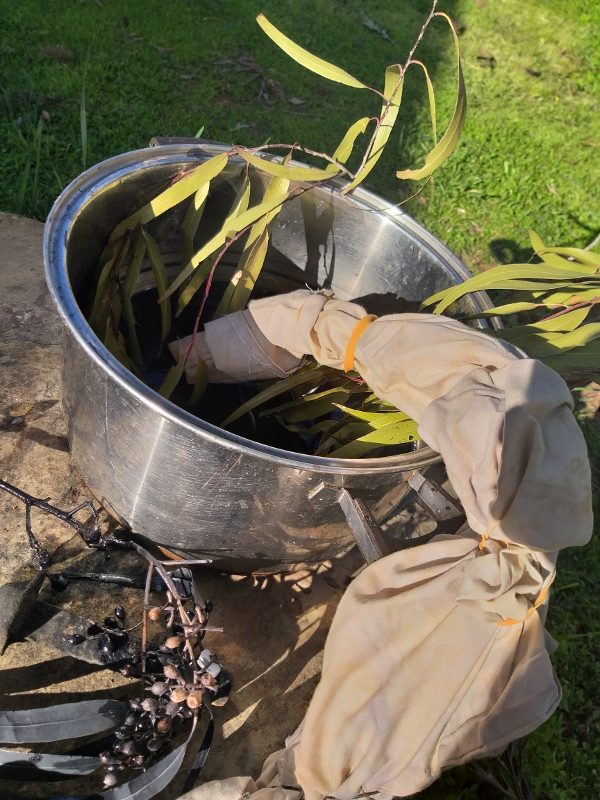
[(436, 654)]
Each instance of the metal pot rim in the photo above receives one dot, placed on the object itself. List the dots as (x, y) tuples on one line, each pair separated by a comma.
[(57, 228)]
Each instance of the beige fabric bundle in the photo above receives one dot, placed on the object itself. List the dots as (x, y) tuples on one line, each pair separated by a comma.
[(436, 654)]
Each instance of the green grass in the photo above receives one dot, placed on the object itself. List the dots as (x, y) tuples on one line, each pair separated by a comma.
[(85, 79)]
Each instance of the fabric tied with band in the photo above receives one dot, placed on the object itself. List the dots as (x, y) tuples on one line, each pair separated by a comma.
[(437, 654)]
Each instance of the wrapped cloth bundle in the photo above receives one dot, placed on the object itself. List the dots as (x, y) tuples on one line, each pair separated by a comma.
[(437, 654)]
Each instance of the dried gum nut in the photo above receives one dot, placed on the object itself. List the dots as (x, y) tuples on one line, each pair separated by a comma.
[(178, 695), (194, 700)]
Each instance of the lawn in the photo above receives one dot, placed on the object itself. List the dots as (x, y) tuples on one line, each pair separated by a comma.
[(86, 79)]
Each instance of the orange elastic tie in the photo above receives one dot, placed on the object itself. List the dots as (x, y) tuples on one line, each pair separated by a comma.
[(358, 331), (541, 598)]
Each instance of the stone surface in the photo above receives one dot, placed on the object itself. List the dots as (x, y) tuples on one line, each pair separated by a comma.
[(274, 628)]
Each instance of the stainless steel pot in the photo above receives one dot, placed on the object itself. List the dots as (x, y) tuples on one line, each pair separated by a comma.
[(181, 482)]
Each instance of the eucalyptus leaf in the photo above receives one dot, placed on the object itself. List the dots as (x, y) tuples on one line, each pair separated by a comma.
[(65, 721), (392, 94), (65, 765), (171, 381), (127, 288), (191, 221), (201, 274), (250, 266), (312, 375), (583, 256), (395, 433), (449, 141), (200, 382), (431, 96), (174, 194), (306, 59), (376, 420), (161, 281), (290, 172), (243, 221), (513, 276), (250, 261)]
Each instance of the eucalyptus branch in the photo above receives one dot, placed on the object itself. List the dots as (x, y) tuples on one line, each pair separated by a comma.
[(419, 38)]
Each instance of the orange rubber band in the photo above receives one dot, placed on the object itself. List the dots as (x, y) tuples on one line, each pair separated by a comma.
[(358, 331), (541, 598)]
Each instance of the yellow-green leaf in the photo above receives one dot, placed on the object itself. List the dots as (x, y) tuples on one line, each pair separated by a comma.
[(171, 381), (396, 433), (276, 189), (174, 194), (200, 381), (375, 419), (131, 276), (504, 277), (579, 254), (106, 286), (251, 263), (431, 95), (292, 173), (240, 205), (192, 218), (449, 141), (344, 149), (306, 59), (161, 281), (392, 93), (313, 375), (219, 239)]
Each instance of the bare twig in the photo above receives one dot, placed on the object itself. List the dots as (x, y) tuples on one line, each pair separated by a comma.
[(89, 531), (421, 34)]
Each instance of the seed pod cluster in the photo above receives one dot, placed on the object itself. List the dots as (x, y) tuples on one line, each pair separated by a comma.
[(177, 675)]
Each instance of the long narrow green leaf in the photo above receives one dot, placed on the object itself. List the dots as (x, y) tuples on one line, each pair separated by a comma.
[(239, 206), (276, 190), (449, 141), (292, 173), (313, 406), (392, 93), (375, 419), (564, 322), (584, 256), (344, 149), (219, 239), (200, 382), (306, 173), (172, 378), (306, 59), (161, 281), (556, 260), (191, 221), (577, 338), (431, 95), (250, 266), (504, 278), (508, 308), (313, 375), (106, 286), (396, 433), (174, 194), (127, 287)]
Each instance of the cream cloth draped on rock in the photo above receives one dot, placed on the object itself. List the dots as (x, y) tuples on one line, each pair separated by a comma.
[(436, 654)]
